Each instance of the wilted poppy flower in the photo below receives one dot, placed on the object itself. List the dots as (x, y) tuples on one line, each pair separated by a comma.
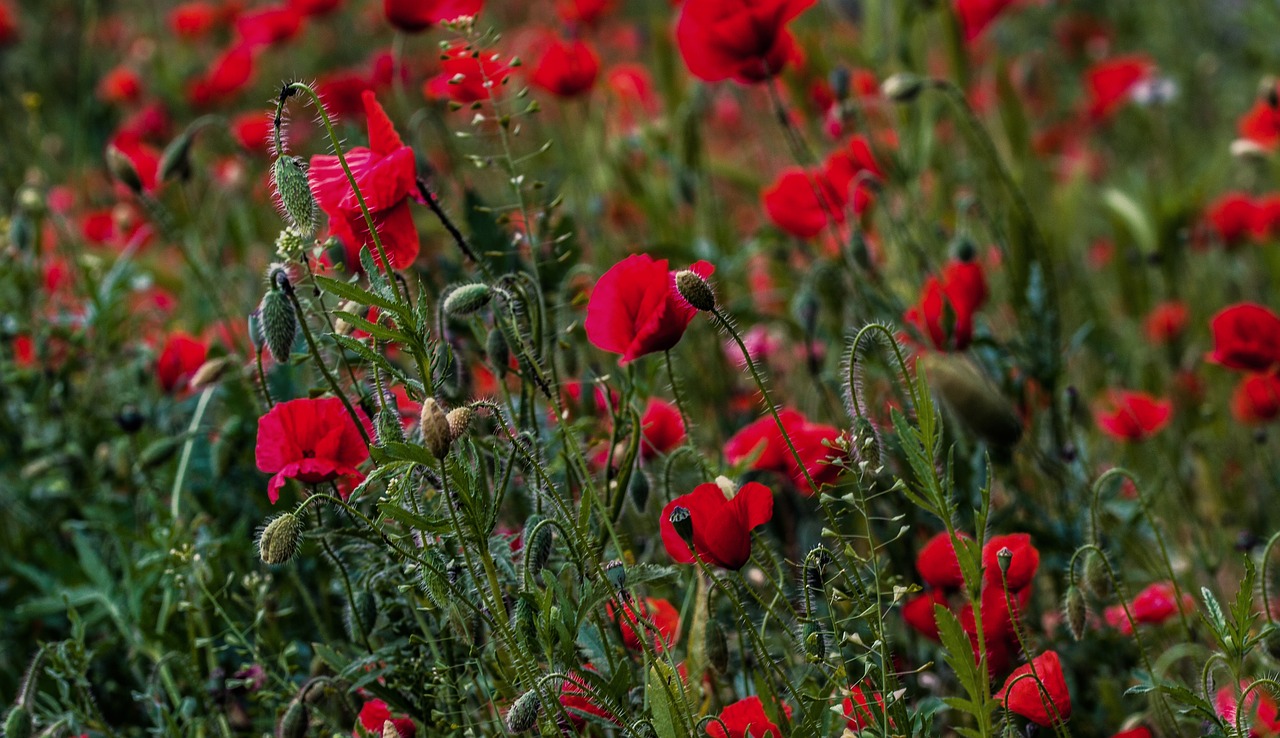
[(413, 16), (1261, 124), (1256, 399), (181, 356), (950, 302), (722, 523), (659, 613), (1246, 336), (937, 562), (918, 612), (386, 173), (1109, 84), (976, 15), (1132, 416), (566, 68), (745, 719), (764, 440), (466, 76), (375, 714), (1231, 217), (635, 309), (662, 429), (1022, 567), (1166, 321), (743, 40), (1043, 699), (1261, 711), (311, 440)]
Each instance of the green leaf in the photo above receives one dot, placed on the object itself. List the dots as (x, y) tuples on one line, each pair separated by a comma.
[(666, 697), (958, 654), (348, 291), (379, 332)]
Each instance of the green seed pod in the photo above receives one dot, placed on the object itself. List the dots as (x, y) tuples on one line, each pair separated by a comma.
[(523, 715), (279, 324), (434, 425), (1095, 577), (695, 290), (17, 724), (296, 199), (279, 540), (975, 400), (717, 647), (815, 575), (638, 488), (495, 345), (295, 720), (466, 300), (1076, 611)]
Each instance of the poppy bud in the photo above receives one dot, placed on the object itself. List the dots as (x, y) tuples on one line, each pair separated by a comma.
[(682, 521), (17, 724), (122, 168), (296, 200), (467, 300), (175, 160), (524, 713), (902, 87), (616, 573), (387, 426), (22, 232), (840, 80), (435, 429), (537, 549), (526, 628), (210, 372), (1096, 579), (638, 488), (459, 421), (695, 290), (129, 419), (279, 540), (1076, 611), (717, 647), (495, 345), (255, 330), (974, 399), (279, 324), (815, 580), (295, 720)]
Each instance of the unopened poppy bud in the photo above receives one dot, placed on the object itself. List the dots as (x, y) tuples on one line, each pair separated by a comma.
[(175, 160), (525, 624), (434, 425), (459, 421), (279, 540), (523, 715), (977, 402), (682, 521), (964, 249), (210, 372), (537, 549), (815, 577), (295, 720), (495, 345), (717, 647), (695, 290), (17, 724), (255, 330), (296, 200), (1076, 611), (279, 324), (1095, 578), (467, 300), (840, 80), (122, 168), (616, 573), (902, 87)]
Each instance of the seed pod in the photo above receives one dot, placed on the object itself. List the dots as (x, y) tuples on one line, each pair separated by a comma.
[(279, 324), (434, 425), (1096, 578), (973, 398), (17, 724), (682, 521), (499, 352), (296, 199), (467, 300), (537, 548), (815, 642), (695, 290), (210, 372), (279, 540), (523, 715), (459, 421), (295, 720), (1076, 611), (717, 647)]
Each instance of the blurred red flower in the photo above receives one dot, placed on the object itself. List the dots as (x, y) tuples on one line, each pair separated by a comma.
[(664, 617), (663, 429), (976, 15), (374, 714), (314, 7), (937, 562), (8, 24), (722, 523), (181, 356), (120, 85), (743, 40), (1261, 711), (311, 440), (1246, 336), (467, 77), (1132, 416), (1261, 124), (1166, 321), (586, 12), (268, 25), (765, 439), (635, 309), (229, 73), (860, 709), (947, 305), (1158, 603), (253, 131), (918, 612), (1231, 217), (1043, 698), (566, 68), (193, 20), (413, 16), (1256, 399), (1109, 83), (1022, 567), (792, 202), (745, 719)]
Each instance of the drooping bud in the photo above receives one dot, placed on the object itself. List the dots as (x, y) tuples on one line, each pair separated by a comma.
[(122, 168), (695, 290), (459, 421), (435, 429), (1095, 577), (682, 521), (17, 724), (902, 87), (977, 402), (295, 720), (717, 647), (296, 200), (525, 624), (495, 345), (210, 372), (467, 300), (638, 488), (523, 715), (279, 540), (1076, 611), (279, 324), (537, 548)]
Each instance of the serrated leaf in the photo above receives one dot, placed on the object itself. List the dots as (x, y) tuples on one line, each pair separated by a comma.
[(348, 291), (380, 332), (666, 695)]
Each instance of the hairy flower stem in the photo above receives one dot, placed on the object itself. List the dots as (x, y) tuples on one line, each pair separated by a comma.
[(675, 394), (262, 380), (463, 244), (346, 585), (175, 493), (804, 157)]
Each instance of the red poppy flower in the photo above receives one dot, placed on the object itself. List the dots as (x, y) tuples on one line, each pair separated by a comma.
[(937, 562), (1246, 336), (311, 440), (8, 24), (660, 613), (1231, 217), (579, 704), (862, 710), (268, 25), (314, 7), (792, 203), (810, 440), (997, 611), (375, 714), (413, 16), (253, 131), (1261, 124), (1166, 321), (586, 12), (467, 77), (1158, 603), (950, 302), (386, 174), (1043, 699), (181, 356), (144, 158), (849, 168), (1264, 225), (1265, 717), (566, 68), (744, 40), (722, 523), (662, 429), (635, 309), (1138, 732), (1022, 567), (1133, 416), (229, 73), (976, 15), (120, 85), (918, 612), (1109, 83), (745, 719), (1256, 399), (193, 19)]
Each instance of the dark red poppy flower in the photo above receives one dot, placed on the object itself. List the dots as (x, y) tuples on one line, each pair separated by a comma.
[(1166, 321), (918, 612), (1256, 399), (764, 441), (8, 24), (314, 7), (1231, 217), (1261, 711), (566, 68), (193, 20), (1261, 124), (1043, 699), (586, 12), (268, 25), (722, 523), (662, 429), (1022, 567), (937, 562), (1132, 416), (466, 76), (181, 356), (976, 15), (862, 709), (743, 40), (635, 309), (412, 16), (1139, 732), (745, 719), (948, 304), (229, 73), (120, 85), (386, 173), (375, 714), (311, 440), (1246, 336), (1110, 83), (659, 613), (253, 131), (792, 202), (1157, 603)]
